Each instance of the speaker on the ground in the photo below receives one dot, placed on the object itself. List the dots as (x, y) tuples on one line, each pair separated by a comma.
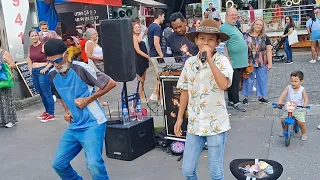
[(118, 51), (127, 142)]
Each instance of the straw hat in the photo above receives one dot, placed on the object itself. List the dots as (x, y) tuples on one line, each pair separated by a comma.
[(208, 26)]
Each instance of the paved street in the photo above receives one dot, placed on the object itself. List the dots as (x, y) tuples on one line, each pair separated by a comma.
[(26, 151)]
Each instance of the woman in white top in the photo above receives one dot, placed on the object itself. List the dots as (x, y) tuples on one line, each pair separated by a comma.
[(94, 53), (93, 50)]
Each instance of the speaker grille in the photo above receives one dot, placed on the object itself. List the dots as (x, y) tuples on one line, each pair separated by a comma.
[(118, 51)]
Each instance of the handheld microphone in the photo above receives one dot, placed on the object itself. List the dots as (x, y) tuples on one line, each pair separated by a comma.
[(203, 56)]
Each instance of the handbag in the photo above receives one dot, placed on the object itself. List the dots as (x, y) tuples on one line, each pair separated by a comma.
[(6, 80), (247, 71), (293, 37)]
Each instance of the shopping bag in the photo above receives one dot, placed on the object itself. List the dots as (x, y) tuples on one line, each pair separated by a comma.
[(293, 37), (6, 80), (3, 74)]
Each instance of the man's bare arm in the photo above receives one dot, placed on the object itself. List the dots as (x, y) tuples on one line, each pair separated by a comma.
[(156, 43)]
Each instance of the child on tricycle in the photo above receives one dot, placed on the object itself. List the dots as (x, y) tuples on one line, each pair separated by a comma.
[(297, 94)]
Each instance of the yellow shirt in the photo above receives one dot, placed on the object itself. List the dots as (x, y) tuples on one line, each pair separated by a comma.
[(207, 112), (72, 50)]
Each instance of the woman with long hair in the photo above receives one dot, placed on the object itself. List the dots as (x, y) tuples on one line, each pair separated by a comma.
[(8, 116), (142, 58), (260, 57), (313, 28), (287, 31), (39, 69)]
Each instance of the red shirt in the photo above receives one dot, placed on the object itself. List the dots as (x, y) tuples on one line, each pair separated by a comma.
[(83, 51)]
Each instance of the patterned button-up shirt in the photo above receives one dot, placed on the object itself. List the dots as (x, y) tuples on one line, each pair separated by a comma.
[(207, 112)]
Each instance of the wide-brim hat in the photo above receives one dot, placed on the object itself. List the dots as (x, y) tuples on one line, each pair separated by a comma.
[(208, 26)]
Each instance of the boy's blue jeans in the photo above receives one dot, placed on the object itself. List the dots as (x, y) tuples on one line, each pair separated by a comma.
[(43, 85), (193, 148), (71, 143)]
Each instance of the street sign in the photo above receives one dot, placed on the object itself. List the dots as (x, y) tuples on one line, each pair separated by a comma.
[(15, 15)]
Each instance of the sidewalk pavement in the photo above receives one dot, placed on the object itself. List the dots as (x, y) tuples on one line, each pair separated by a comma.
[(27, 150)]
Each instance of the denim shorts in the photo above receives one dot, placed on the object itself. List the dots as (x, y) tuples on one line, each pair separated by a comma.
[(315, 35)]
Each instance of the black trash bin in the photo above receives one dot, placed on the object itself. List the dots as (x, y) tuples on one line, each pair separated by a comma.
[(235, 164)]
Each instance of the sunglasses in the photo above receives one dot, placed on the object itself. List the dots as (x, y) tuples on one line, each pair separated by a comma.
[(58, 61)]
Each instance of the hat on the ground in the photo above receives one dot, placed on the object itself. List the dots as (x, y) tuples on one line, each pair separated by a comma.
[(208, 26), (54, 47), (214, 15)]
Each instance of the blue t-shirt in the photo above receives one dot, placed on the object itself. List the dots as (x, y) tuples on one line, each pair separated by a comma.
[(313, 25), (80, 82), (154, 30), (220, 48)]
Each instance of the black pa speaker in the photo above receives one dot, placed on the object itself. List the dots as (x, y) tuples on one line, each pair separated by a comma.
[(118, 51), (127, 142)]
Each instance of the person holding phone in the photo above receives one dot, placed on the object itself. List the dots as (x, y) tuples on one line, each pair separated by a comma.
[(46, 34)]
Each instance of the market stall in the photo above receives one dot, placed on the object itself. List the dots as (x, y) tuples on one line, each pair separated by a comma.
[(145, 9)]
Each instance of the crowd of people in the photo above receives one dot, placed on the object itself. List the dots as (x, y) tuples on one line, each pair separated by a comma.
[(73, 71)]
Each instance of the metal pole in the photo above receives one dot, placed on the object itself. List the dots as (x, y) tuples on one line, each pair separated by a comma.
[(108, 12), (125, 94)]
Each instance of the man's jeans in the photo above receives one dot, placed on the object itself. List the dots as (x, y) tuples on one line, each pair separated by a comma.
[(193, 148), (71, 143), (43, 85)]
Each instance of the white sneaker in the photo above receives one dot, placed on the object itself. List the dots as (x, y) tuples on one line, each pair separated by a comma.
[(54, 98), (318, 58), (153, 97), (9, 125), (313, 61), (254, 89), (319, 127)]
